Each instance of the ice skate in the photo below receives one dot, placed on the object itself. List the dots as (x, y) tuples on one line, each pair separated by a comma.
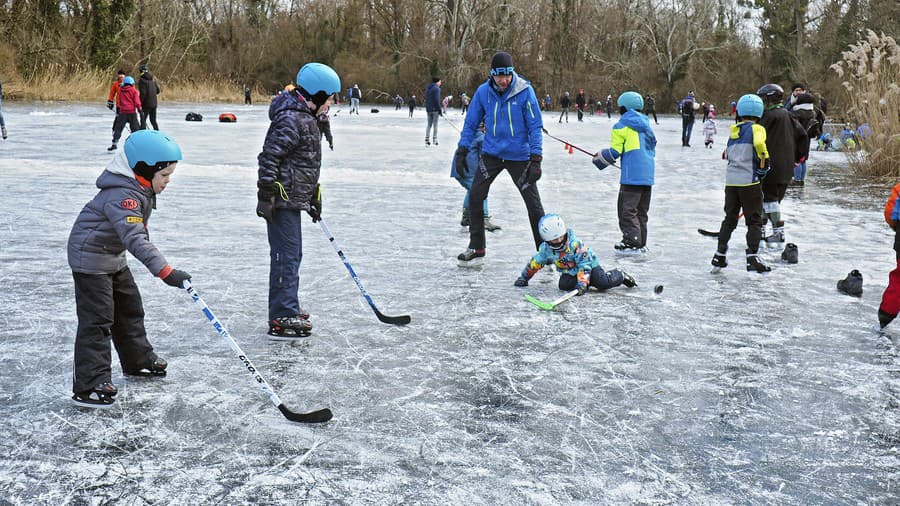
[(718, 262), (623, 248), (113, 147), (289, 328), (790, 254), (468, 258), (776, 240), (3, 130), (490, 226), (155, 368), (628, 280), (754, 264), (464, 221), (101, 396)]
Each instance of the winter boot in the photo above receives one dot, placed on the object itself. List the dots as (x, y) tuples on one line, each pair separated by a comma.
[(718, 260), (464, 222), (470, 254), (884, 318), (852, 284), (790, 254), (289, 328), (3, 130), (101, 396), (754, 265), (155, 368), (489, 225), (113, 147), (628, 280)]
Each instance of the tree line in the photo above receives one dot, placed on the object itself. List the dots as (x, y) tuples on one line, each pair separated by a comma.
[(721, 49)]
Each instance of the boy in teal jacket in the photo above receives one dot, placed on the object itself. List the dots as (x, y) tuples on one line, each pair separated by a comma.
[(632, 140)]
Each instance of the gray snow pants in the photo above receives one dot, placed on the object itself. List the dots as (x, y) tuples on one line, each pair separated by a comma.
[(432, 121)]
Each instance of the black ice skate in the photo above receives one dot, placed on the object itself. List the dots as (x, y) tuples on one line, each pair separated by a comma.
[(101, 396), (289, 328), (718, 262), (470, 254), (754, 265), (790, 254), (852, 284), (156, 368), (628, 280), (113, 147)]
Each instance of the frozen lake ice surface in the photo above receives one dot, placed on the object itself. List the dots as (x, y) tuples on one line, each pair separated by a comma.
[(728, 388)]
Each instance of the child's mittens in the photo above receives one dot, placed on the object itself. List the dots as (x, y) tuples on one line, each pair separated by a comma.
[(604, 159), (521, 281)]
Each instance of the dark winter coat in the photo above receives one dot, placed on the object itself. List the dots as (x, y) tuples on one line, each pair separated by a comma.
[(786, 141), (564, 102), (114, 221), (580, 101), (292, 151), (149, 88), (810, 118), (433, 98)]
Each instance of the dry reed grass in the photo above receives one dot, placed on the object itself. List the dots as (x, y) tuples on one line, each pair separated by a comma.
[(872, 69)]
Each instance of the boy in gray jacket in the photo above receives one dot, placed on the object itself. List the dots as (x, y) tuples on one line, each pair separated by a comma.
[(108, 303)]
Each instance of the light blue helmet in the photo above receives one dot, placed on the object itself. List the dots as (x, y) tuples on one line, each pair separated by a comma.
[(750, 106), (128, 80), (318, 77), (153, 148), (631, 101)]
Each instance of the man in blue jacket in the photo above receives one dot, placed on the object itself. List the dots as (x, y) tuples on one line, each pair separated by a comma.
[(512, 140), (432, 108)]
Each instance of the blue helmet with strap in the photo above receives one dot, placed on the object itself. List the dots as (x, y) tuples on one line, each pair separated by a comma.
[(750, 106), (631, 101), (152, 148), (318, 77), (128, 80)]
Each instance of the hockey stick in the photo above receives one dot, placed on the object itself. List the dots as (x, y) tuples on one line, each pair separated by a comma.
[(451, 123), (550, 305), (393, 320), (322, 415), (710, 233), (567, 143)]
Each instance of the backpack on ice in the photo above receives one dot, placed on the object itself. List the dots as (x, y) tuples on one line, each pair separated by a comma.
[(193, 116)]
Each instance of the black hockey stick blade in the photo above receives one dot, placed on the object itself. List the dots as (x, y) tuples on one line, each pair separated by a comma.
[(393, 320), (708, 233), (320, 416)]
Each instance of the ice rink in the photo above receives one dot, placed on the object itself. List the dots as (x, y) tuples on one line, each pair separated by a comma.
[(728, 388)]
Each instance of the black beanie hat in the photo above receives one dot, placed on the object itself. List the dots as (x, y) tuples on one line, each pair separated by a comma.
[(435, 79), (501, 64)]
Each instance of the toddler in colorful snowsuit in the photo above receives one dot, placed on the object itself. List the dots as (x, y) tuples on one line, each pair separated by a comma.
[(108, 302), (579, 265)]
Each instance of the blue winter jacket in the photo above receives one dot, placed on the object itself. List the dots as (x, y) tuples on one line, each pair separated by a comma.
[(633, 140), (575, 259), (433, 98), (512, 121), (292, 151)]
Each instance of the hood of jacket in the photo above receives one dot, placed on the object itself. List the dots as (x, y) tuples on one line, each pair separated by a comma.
[(119, 174), (636, 121), (287, 101), (516, 86), (147, 76)]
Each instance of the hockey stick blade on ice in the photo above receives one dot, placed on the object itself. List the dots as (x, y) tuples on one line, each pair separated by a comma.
[(708, 233), (549, 306), (320, 416), (383, 318)]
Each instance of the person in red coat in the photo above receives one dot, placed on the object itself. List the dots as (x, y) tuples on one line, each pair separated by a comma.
[(129, 107), (890, 300)]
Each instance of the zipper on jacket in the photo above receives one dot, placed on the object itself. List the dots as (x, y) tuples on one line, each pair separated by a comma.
[(496, 104), (509, 116)]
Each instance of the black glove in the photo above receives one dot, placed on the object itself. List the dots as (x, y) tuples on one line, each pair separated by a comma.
[(265, 194), (315, 204), (521, 281), (532, 172), (462, 166), (176, 278), (582, 289), (110, 104), (331, 146)]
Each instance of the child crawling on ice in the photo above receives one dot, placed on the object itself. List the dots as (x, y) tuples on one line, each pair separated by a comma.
[(578, 264)]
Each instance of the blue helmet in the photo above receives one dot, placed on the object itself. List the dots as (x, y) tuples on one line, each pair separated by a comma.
[(153, 148), (631, 101), (128, 80), (318, 77), (750, 106)]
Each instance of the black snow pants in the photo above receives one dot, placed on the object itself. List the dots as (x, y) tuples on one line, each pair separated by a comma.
[(489, 168), (119, 124), (750, 200)]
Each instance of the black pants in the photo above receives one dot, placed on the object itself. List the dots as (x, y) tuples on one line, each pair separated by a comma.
[(151, 113), (633, 205), (653, 112), (489, 168), (108, 305), (748, 199), (600, 279), (773, 192), (687, 126), (119, 124)]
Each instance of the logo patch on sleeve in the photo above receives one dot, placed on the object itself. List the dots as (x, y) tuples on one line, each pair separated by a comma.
[(134, 219), (129, 204)]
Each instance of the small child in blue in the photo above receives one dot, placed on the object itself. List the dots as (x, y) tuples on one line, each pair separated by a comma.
[(472, 162), (578, 264)]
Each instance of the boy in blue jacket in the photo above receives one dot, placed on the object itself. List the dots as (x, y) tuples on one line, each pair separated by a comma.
[(633, 140), (465, 179), (578, 264)]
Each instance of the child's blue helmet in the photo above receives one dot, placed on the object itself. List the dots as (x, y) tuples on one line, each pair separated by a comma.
[(128, 80), (631, 101), (318, 77), (750, 106), (152, 148)]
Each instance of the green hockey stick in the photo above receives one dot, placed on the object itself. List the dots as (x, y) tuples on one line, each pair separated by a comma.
[(548, 306)]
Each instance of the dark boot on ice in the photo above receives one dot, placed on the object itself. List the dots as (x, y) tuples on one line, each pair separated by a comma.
[(489, 225), (718, 260), (101, 396), (754, 265), (628, 280), (464, 222), (156, 367), (289, 328), (852, 284), (884, 318), (790, 254), (113, 147), (470, 254), (3, 130)]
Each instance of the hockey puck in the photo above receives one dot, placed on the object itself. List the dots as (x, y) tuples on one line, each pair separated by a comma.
[(658, 289)]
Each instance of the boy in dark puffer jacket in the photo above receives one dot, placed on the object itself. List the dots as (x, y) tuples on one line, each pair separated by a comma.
[(288, 185)]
